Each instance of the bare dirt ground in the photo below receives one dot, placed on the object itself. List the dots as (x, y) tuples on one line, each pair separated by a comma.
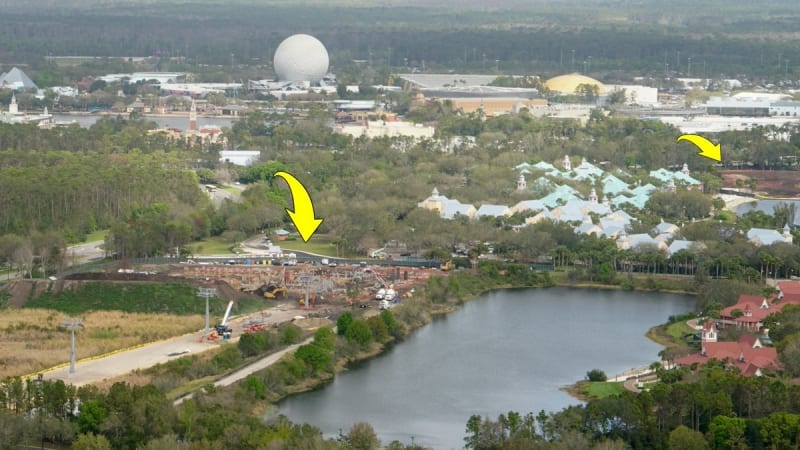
[(119, 363), (774, 183)]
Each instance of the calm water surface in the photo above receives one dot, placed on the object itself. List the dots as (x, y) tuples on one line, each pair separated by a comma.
[(768, 207), (182, 123), (508, 350)]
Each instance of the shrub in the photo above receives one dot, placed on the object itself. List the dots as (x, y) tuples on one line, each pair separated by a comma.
[(596, 375), (228, 358), (315, 357), (343, 322), (251, 344), (290, 334), (325, 339), (379, 330), (359, 332)]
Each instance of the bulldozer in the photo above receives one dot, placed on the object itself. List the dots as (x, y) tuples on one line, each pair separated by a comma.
[(271, 291)]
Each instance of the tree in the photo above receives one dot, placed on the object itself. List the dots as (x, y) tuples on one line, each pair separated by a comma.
[(790, 354), (596, 375), (359, 332), (343, 323), (251, 344), (378, 328), (90, 417), (362, 437), (290, 333), (728, 432), (316, 358), (684, 438), (785, 213), (325, 339), (91, 441)]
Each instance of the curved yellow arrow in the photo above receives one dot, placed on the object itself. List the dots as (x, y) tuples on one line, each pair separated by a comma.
[(303, 214), (707, 148)]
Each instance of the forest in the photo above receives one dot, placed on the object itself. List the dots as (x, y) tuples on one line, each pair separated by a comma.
[(621, 39)]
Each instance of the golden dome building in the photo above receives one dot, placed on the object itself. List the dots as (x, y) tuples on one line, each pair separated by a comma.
[(568, 84)]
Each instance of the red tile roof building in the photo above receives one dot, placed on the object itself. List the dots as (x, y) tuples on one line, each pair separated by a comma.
[(754, 308), (749, 355)]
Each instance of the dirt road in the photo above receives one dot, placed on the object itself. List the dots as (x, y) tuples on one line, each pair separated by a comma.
[(116, 364)]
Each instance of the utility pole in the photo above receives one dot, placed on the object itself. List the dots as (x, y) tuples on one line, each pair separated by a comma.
[(72, 324), (207, 293)]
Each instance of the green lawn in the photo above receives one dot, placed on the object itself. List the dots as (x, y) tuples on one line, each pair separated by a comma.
[(211, 246), (99, 235), (678, 330), (232, 189), (321, 245), (601, 389)]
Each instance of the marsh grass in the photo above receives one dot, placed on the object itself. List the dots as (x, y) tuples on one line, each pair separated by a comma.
[(32, 339)]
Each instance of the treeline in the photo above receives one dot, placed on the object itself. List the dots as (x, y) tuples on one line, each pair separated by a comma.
[(83, 192), (715, 410), (472, 39)]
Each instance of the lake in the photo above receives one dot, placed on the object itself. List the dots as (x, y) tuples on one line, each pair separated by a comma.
[(181, 123), (766, 206), (507, 350)]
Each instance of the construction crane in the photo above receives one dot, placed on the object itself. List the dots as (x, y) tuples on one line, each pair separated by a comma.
[(223, 330)]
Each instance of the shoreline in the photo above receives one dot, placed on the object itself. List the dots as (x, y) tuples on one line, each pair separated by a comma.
[(574, 390)]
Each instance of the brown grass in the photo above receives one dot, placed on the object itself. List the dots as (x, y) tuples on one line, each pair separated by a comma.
[(33, 340)]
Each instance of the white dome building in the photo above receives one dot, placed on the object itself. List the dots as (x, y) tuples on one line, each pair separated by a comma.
[(301, 58)]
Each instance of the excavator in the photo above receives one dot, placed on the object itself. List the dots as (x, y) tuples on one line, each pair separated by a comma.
[(446, 266), (312, 300), (271, 291)]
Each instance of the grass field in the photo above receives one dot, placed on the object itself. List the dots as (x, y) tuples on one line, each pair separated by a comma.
[(678, 330), (211, 246), (33, 339), (601, 389), (589, 390), (320, 247), (99, 235)]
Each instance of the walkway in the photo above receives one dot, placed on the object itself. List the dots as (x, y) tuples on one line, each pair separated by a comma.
[(240, 374)]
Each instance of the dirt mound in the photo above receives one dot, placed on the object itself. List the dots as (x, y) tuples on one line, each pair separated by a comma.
[(20, 292), (777, 183)]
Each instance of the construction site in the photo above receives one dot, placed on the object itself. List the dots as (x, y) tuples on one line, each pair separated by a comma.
[(312, 287)]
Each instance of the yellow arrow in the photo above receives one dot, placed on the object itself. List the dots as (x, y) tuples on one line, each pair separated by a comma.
[(707, 148), (303, 214)]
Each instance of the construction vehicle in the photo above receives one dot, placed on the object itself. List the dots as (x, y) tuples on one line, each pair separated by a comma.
[(447, 265), (222, 329), (312, 300), (271, 291)]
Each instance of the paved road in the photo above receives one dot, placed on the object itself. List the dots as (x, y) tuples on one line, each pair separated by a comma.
[(82, 253), (87, 372), (240, 374)]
